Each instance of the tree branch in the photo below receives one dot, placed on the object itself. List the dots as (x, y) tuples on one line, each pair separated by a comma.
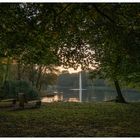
[(63, 10), (104, 15)]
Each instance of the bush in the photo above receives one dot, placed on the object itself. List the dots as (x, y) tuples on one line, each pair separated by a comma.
[(10, 89)]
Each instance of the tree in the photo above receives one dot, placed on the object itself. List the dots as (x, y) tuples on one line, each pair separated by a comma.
[(101, 35), (26, 38), (30, 41), (110, 30), (112, 52)]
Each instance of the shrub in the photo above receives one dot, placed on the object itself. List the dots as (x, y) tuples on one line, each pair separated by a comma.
[(10, 89)]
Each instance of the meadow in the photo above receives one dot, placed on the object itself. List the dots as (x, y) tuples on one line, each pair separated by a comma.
[(102, 119)]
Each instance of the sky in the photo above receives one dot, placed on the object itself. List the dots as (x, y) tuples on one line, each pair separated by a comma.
[(70, 70)]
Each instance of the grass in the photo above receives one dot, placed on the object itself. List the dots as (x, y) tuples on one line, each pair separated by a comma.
[(72, 120)]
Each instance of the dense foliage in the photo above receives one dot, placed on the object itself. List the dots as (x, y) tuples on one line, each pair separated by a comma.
[(105, 36)]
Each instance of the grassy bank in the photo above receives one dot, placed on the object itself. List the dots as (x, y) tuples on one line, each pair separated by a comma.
[(73, 120)]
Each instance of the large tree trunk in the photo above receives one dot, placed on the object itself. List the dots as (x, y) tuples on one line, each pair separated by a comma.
[(31, 74), (39, 77), (120, 96)]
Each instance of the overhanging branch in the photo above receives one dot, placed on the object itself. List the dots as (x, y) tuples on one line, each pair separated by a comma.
[(63, 10), (103, 14)]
